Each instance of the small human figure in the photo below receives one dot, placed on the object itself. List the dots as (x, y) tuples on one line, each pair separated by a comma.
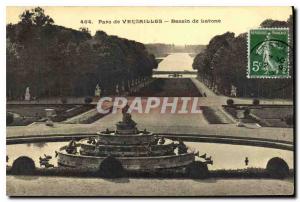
[(246, 161)]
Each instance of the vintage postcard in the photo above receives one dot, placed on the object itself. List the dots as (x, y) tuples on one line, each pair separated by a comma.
[(150, 101)]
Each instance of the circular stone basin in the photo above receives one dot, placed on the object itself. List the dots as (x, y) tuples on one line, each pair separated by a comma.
[(88, 149), (224, 156), (134, 139)]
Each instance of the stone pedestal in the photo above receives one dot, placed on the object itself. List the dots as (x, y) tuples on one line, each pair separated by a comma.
[(49, 114)]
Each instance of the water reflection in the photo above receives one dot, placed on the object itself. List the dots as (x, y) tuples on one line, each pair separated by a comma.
[(176, 62), (226, 156), (34, 151)]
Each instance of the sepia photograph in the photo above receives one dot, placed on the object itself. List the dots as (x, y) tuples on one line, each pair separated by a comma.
[(150, 101)]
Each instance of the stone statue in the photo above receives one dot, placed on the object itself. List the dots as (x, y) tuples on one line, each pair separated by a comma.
[(127, 125), (97, 91), (71, 148), (27, 94), (117, 89), (233, 91), (182, 148), (127, 117)]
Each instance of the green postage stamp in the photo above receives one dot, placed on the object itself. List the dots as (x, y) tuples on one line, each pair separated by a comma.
[(268, 53)]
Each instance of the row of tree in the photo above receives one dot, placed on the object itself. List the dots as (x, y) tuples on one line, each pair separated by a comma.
[(223, 64), (57, 61)]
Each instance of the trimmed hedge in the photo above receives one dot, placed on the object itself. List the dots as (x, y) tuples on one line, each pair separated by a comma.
[(230, 102), (88, 100), (255, 102), (9, 118), (277, 168), (23, 166)]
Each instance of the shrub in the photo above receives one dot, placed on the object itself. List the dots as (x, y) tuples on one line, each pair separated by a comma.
[(230, 102), (88, 100), (9, 118), (277, 168), (197, 170), (255, 102), (63, 100), (23, 166), (111, 168), (246, 112)]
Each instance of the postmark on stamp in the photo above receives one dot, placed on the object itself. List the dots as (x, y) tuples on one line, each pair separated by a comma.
[(268, 53)]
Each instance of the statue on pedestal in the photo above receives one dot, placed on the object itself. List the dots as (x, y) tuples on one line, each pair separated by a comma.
[(27, 94), (117, 89), (126, 116), (233, 91), (127, 125), (97, 91)]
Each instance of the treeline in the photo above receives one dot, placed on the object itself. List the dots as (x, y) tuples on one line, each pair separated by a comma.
[(162, 50), (57, 61), (223, 63), (194, 48)]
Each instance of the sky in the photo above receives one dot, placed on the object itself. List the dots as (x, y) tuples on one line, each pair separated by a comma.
[(234, 19)]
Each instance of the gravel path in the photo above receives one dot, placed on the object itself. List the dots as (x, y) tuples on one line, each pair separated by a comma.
[(64, 186)]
